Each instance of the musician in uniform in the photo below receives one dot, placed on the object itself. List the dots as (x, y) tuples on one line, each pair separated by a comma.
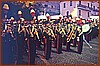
[(80, 39), (8, 45), (26, 36), (48, 38), (33, 40), (36, 23), (69, 32), (14, 31), (87, 35), (55, 33), (59, 39), (40, 36), (21, 40), (75, 34)]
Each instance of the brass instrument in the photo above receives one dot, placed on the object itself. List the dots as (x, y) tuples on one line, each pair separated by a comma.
[(3, 33), (72, 35), (36, 33), (79, 30), (21, 30), (11, 34), (50, 32), (31, 32), (10, 31), (62, 32)]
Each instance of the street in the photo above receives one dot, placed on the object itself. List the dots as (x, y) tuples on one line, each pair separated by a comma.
[(88, 56)]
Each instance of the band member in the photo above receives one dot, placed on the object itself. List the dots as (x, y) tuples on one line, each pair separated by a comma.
[(21, 40), (80, 40), (8, 46), (40, 37), (87, 35), (59, 40), (63, 36), (48, 39), (48, 44), (68, 36), (33, 41), (55, 33), (75, 34)]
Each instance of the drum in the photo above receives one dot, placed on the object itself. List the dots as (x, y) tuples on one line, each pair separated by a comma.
[(86, 29)]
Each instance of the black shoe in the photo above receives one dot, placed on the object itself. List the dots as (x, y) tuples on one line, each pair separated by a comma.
[(59, 52), (47, 58)]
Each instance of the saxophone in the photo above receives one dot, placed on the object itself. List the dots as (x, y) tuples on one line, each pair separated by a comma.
[(50, 32), (62, 32), (72, 35)]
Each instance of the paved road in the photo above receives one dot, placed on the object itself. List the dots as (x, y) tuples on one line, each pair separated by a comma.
[(88, 56)]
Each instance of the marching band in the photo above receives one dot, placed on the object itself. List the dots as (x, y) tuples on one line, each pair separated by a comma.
[(30, 35)]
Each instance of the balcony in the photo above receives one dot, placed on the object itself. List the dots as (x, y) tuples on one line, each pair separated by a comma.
[(83, 7), (94, 9)]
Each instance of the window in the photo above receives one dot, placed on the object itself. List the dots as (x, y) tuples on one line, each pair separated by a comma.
[(94, 7), (64, 5), (70, 3), (79, 12), (88, 14), (88, 4), (79, 2), (51, 6), (91, 5), (67, 13), (46, 5)]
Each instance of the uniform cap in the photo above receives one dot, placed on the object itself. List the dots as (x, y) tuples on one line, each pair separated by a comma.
[(47, 14), (19, 12), (60, 15), (12, 18), (77, 19), (80, 16), (32, 11), (22, 19), (6, 6)]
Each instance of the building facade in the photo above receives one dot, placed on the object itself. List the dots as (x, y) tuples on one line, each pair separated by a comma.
[(79, 8), (51, 7)]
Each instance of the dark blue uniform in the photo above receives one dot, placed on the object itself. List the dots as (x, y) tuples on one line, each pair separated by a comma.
[(20, 43), (8, 49), (59, 42), (80, 43)]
